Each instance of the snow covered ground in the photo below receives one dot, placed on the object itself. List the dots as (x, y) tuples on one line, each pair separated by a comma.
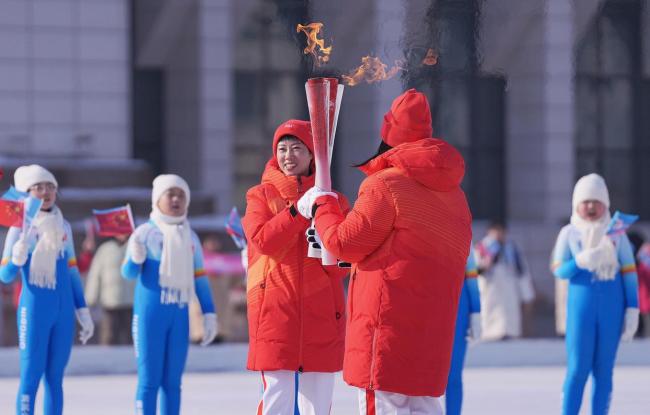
[(522, 377), (488, 391)]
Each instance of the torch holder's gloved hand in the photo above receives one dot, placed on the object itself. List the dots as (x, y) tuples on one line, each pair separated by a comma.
[(306, 202)]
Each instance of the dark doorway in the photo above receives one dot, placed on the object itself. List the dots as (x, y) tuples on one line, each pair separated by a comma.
[(148, 117)]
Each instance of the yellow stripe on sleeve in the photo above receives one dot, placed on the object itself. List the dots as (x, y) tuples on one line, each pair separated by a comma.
[(627, 269)]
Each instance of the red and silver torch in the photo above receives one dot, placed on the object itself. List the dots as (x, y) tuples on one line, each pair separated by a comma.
[(324, 100)]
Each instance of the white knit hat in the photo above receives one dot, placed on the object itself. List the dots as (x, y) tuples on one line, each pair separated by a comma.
[(164, 182), (590, 187), (27, 176)]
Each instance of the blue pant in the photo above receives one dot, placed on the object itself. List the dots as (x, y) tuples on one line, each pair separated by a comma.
[(454, 392), (46, 324), (594, 322), (160, 337)]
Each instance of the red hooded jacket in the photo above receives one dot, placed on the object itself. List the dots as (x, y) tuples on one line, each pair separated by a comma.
[(408, 236), (296, 306)]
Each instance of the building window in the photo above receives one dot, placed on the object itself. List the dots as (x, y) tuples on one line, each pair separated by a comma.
[(611, 93), (468, 108)]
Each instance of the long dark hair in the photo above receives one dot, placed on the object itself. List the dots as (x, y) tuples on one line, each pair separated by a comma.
[(383, 147)]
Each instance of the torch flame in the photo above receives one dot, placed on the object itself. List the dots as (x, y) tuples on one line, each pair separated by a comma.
[(371, 70), (431, 59), (315, 46)]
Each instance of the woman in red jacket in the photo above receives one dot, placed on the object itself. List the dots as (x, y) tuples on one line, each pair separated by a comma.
[(408, 237), (296, 307)]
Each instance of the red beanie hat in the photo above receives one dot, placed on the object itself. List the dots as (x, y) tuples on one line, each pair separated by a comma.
[(297, 128), (409, 119)]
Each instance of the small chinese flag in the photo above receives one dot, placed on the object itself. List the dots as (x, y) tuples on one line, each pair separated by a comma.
[(235, 229), (115, 221), (11, 213)]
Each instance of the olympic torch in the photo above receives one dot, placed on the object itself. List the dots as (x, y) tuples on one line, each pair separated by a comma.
[(324, 101)]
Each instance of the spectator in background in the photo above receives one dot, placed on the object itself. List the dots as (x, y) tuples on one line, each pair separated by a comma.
[(505, 284), (561, 293), (10, 300), (88, 246), (106, 288), (642, 255), (225, 272)]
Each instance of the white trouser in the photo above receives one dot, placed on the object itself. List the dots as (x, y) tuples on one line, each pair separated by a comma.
[(375, 402), (314, 393)]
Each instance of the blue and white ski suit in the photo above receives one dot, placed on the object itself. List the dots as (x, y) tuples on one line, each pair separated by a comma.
[(595, 313), (470, 302), (46, 323), (161, 330)]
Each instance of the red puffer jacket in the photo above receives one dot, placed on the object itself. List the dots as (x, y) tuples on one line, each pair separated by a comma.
[(408, 236), (296, 307)]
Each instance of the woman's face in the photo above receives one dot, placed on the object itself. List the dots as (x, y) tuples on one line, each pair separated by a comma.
[(45, 191), (293, 157), (591, 210), (173, 202)]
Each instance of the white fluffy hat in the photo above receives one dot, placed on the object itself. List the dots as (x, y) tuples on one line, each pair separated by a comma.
[(27, 176), (164, 182), (590, 187)]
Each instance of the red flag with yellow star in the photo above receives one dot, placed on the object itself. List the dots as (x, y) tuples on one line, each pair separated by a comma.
[(116, 221), (11, 213)]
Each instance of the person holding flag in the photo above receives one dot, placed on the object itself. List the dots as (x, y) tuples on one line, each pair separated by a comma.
[(296, 306), (408, 238), (165, 257), (602, 304), (43, 251)]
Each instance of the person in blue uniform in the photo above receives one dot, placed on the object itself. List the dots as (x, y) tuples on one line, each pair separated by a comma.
[(51, 294), (468, 325), (165, 257), (602, 304)]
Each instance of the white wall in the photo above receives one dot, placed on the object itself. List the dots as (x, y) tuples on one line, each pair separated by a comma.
[(64, 75), (216, 100), (531, 44)]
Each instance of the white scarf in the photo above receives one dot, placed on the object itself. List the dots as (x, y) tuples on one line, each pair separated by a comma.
[(591, 235), (50, 231), (177, 259)]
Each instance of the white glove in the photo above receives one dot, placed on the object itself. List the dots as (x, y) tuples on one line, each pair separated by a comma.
[(608, 264), (630, 324), (86, 323), (307, 200), (138, 251), (588, 259), (475, 329), (210, 328), (19, 253), (244, 259)]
